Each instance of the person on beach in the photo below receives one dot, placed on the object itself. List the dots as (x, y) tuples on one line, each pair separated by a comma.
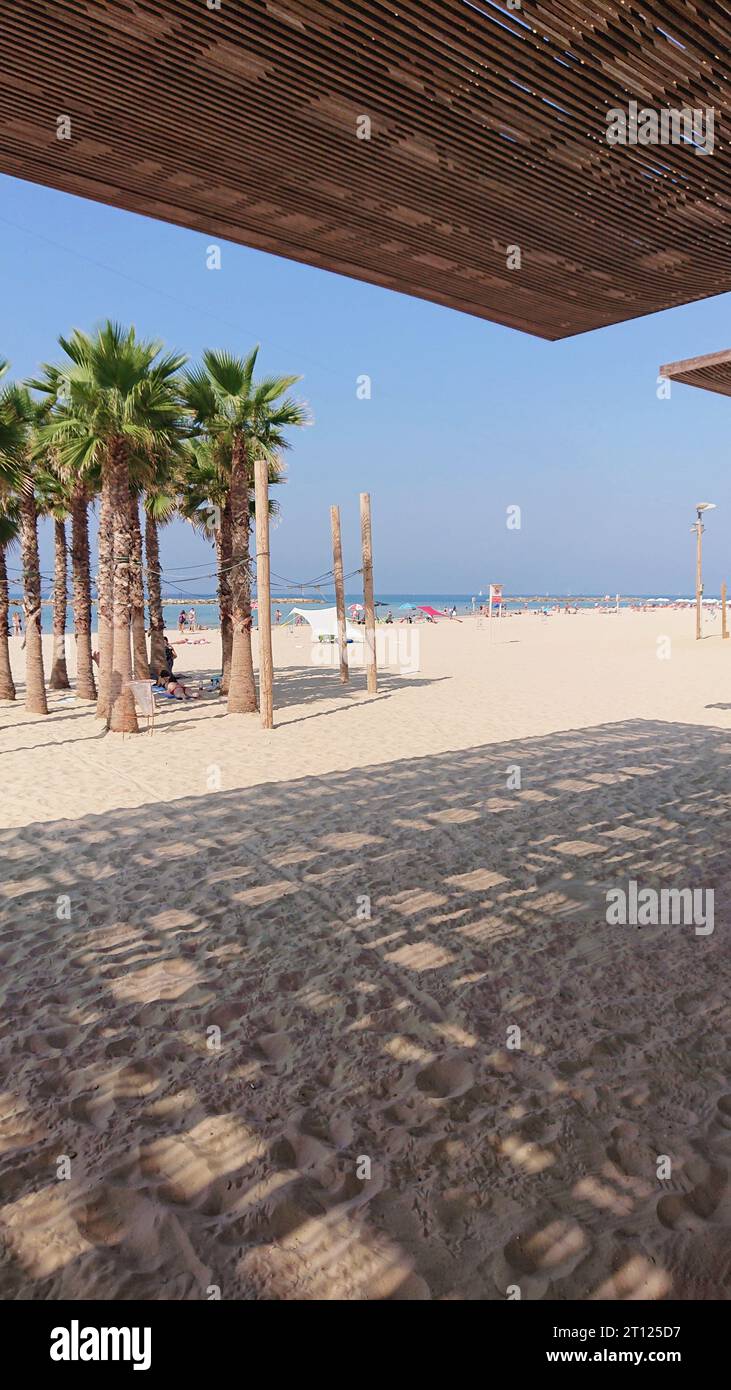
[(277, 615), (176, 687), (182, 620), (17, 624), (191, 620)]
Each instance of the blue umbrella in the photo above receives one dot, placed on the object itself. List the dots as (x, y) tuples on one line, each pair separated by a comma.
[(405, 605)]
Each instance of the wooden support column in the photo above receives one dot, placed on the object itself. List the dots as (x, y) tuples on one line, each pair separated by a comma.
[(263, 593), (370, 611), (339, 591)]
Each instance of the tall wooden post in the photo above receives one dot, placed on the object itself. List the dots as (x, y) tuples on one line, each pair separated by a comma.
[(698, 579), (263, 593), (339, 591), (370, 611), (724, 623)]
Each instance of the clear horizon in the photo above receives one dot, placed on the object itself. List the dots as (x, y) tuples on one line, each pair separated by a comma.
[(466, 419)]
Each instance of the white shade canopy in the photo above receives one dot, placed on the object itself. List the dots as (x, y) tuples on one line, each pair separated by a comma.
[(324, 623)]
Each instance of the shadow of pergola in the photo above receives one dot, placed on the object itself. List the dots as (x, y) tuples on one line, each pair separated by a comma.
[(274, 1032)]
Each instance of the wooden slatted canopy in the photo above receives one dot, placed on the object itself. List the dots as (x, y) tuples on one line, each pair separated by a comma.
[(488, 131), (712, 371)]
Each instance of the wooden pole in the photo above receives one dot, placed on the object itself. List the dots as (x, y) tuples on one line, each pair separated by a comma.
[(698, 580), (724, 623), (339, 591), (370, 611), (263, 593)]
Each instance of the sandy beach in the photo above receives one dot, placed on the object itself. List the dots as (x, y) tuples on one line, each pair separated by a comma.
[(258, 987)]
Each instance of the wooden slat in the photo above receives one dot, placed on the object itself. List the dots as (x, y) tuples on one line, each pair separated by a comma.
[(712, 371), (488, 131)]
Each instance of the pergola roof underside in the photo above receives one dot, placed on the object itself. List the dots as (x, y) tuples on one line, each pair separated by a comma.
[(488, 131), (712, 372)]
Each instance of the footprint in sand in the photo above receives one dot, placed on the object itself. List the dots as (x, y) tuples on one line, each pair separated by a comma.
[(285, 1216), (691, 1210), (110, 1215), (121, 1047), (276, 1047), (55, 1040), (444, 1079), (534, 1259), (133, 1082)]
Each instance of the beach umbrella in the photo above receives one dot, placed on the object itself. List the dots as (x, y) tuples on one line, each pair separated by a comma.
[(355, 607), (406, 605)]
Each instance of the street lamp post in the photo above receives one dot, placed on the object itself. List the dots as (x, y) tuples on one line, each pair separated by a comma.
[(699, 528)]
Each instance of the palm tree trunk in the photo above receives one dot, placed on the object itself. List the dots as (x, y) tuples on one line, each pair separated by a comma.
[(104, 598), (7, 686), (223, 555), (81, 581), (35, 689), (137, 595), (242, 687), (122, 715), (154, 595), (59, 679)]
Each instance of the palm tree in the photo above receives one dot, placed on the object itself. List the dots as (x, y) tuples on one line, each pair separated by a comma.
[(8, 537), (81, 586), (205, 503), (247, 419), (121, 403), (137, 589), (159, 508), (11, 443), (54, 502), (152, 475), (22, 418), (77, 491), (105, 598)]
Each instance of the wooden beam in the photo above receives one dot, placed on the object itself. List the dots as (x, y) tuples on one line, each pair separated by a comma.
[(339, 592), (487, 130), (712, 371), (263, 594), (368, 603)]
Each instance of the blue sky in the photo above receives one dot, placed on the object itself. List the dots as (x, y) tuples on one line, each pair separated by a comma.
[(465, 419)]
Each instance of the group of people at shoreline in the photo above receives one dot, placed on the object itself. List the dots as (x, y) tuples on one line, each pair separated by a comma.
[(187, 622)]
